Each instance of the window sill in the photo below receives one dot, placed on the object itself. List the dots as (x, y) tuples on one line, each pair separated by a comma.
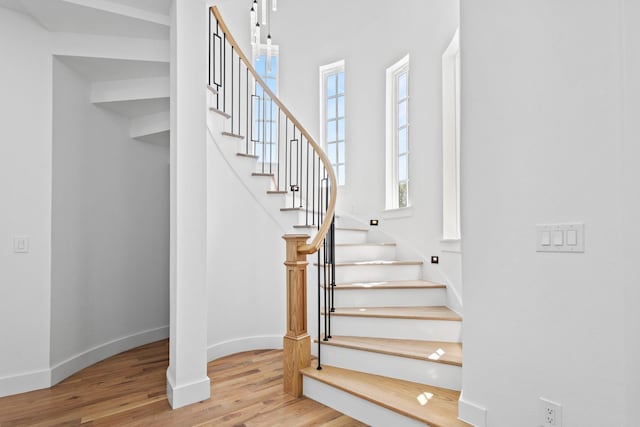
[(451, 245), (397, 213)]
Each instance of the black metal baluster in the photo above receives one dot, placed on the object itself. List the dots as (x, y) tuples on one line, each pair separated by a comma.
[(300, 170), (246, 135), (271, 142), (319, 315), (306, 207), (278, 138), (286, 154), (210, 36), (263, 118), (224, 73)]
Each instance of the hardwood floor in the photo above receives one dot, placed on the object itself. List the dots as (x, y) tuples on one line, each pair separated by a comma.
[(129, 389)]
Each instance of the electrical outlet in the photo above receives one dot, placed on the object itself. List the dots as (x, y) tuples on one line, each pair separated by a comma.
[(551, 413)]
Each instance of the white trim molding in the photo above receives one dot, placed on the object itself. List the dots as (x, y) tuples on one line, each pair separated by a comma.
[(451, 140), (324, 71), (25, 382), (393, 126), (238, 345), (76, 363), (46, 378), (471, 413), (179, 396)]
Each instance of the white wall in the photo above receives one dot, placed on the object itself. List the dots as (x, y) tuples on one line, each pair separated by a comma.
[(371, 37), (110, 242), (246, 272), (25, 186), (543, 143), (630, 206)]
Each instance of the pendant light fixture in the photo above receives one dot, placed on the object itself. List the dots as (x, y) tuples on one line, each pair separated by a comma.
[(261, 21)]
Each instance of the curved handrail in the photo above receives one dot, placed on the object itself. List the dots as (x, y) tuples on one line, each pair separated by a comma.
[(315, 244)]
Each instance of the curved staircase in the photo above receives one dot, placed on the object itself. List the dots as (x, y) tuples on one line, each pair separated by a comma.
[(391, 352), (394, 356)]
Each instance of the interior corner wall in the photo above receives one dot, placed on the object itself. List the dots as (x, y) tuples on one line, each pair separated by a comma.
[(25, 208), (246, 275), (542, 108), (110, 241), (630, 206)]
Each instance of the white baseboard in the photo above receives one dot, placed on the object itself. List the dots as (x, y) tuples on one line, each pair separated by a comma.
[(471, 413), (238, 345), (87, 358), (179, 396), (25, 382)]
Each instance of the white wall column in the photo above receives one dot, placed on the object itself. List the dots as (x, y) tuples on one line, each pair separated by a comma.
[(187, 380)]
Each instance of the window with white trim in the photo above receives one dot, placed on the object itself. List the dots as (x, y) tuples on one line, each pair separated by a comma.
[(265, 112), (451, 141), (397, 138), (332, 116)]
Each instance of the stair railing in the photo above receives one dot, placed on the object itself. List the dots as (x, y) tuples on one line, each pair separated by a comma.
[(267, 131)]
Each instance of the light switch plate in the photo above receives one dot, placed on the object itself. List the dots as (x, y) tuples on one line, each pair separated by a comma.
[(564, 237)]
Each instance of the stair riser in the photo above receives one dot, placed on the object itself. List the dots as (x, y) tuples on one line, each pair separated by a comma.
[(355, 407), (390, 297), (365, 253), (377, 273), (436, 374), (351, 236), (376, 327)]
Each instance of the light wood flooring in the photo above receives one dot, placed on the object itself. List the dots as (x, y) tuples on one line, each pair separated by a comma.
[(129, 390)]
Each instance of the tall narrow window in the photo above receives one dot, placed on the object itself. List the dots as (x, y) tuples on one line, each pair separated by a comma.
[(451, 141), (397, 174), (332, 116), (264, 133)]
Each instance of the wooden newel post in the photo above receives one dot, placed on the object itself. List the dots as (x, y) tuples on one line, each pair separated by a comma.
[(297, 343)]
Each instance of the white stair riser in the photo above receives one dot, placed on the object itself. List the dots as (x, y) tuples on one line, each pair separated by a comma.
[(377, 327), (420, 371), (355, 407), (390, 297), (351, 236), (377, 273), (365, 253)]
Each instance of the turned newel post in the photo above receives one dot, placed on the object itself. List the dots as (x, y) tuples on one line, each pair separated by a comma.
[(297, 343)]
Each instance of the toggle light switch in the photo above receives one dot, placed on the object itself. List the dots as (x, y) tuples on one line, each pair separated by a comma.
[(572, 237)]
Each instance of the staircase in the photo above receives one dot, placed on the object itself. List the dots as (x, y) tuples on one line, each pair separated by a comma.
[(394, 356), (390, 353)]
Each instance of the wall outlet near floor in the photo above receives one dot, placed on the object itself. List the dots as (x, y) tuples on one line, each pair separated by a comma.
[(550, 413)]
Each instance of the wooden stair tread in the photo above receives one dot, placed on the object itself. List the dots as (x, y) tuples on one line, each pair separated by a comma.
[(277, 192), (375, 263), (262, 174), (364, 244), (351, 229), (251, 156), (233, 135), (435, 406), (418, 313), (398, 284), (433, 351), (212, 89), (222, 113)]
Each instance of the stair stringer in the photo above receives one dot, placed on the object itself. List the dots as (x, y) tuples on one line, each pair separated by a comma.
[(242, 168)]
